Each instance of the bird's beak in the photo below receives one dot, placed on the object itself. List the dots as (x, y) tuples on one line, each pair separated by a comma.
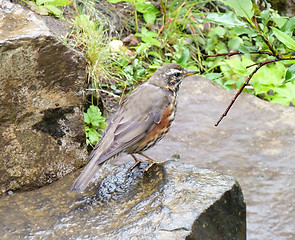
[(190, 72)]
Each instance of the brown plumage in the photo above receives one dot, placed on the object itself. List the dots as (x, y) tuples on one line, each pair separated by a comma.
[(141, 121)]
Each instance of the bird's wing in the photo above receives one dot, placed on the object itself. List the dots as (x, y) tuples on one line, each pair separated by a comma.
[(133, 121), (130, 124)]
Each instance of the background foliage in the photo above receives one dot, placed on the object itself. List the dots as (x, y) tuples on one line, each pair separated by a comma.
[(228, 41)]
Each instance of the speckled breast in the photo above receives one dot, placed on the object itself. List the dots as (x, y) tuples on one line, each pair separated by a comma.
[(155, 135)]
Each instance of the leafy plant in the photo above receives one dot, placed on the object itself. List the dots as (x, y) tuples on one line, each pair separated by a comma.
[(265, 40), (149, 39), (256, 45), (133, 72), (44, 7), (94, 121), (148, 10)]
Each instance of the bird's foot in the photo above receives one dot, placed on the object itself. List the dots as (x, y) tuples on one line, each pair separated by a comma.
[(137, 162), (147, 159)]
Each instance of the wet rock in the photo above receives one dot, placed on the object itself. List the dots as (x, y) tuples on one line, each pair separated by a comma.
[(169, 201), (254, 144), (41, 93)]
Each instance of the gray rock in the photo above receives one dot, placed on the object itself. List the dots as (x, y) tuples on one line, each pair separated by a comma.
[(254, 144), (41, 96), (169, 201)]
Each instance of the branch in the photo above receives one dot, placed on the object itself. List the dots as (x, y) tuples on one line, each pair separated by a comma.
[(271, 61), (239, 92), (260, 64), (237, 53), (264, 63), (270, 47), (223, 54)]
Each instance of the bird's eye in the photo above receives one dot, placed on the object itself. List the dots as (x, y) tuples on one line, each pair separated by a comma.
[(177, 74)]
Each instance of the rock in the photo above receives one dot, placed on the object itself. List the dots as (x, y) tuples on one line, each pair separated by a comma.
[(254, 144), (131, 40), (41, 93), (118, 47), (169, 201)]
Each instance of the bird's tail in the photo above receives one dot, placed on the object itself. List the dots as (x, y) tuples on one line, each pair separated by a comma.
[(85, 176)]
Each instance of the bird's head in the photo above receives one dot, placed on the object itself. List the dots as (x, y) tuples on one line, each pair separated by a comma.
[(170, 76)]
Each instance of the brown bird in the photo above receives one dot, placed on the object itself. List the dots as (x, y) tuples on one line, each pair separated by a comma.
[(144, 117)]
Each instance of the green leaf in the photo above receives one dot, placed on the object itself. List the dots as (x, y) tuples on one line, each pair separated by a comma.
[(289, 26), (57, 3), (268, 77), (40, 2), (235, 43), (265, 16), (40, 9), (213, 76), (184, 57), (243, 8), (86, 118), (285, 94), (149, 11), (220, 31), (244, 30), (93, 136), (247, 49), (151, 41), (284, 38), (290, 74), (156, 54), (149, 17), (93, 119), (230, 82), (279, 20), (228, 19), (93, 116), (56, 11)]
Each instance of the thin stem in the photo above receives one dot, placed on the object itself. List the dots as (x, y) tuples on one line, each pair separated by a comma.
[(136, 20), (238, 93), (163, 7), (270, 47), (260, 64), (237, 53), (223, 54)]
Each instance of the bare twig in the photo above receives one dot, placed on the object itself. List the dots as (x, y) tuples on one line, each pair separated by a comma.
[(263, 52), (273, 60), (270, 47), (237, 53), (239, 92), (223, 54), (272, 52), (260, 64), (264, 63)]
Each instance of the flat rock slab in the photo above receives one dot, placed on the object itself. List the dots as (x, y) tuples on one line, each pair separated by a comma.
[(169, 201), (41, 96), (254, 144)]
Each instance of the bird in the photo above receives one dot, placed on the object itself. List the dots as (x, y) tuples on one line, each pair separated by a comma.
[(142, 119)]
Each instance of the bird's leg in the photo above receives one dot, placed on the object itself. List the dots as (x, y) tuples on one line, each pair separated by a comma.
[(137, 161), (152, 161)]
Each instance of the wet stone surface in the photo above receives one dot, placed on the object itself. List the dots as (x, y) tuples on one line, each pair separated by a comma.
[(169, 201), (41, 98), (254, 144)]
